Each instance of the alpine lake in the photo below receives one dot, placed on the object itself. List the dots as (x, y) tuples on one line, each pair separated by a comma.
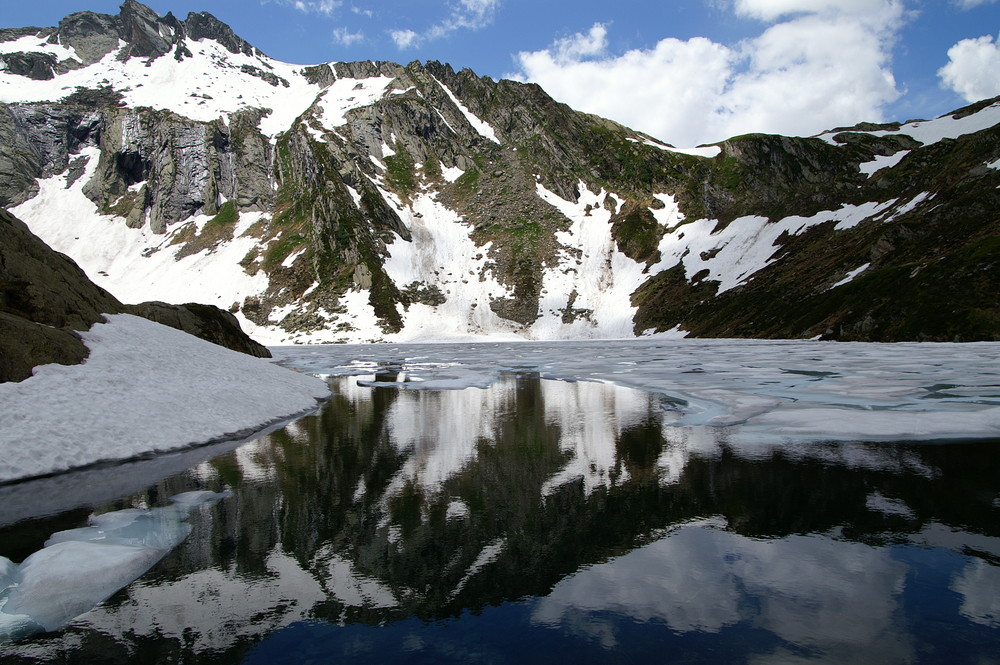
[(535, 520)]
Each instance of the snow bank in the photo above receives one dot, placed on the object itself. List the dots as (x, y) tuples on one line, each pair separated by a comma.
[(144, 388)]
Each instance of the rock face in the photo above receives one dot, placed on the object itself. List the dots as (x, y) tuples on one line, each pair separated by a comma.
[(373, 200), (45, 297), (204, 321)]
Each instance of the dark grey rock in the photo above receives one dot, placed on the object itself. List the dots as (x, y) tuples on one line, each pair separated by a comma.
[(203, 25), (91, 35), (205, 321), (37, 66)]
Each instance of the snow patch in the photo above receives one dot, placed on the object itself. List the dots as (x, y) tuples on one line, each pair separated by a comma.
[(144, 388), (851, 275), (731, 256), (708, 151), (347, 94), (36, 44), (882, 162), (929, 132), (451, 173), (909, 205), (442, 257), (591, 266), (480, 126)]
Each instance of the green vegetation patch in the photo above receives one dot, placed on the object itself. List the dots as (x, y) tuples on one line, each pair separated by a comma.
[(468, 182), (400, 171), (281, 249), (227, 216), (638, 235)]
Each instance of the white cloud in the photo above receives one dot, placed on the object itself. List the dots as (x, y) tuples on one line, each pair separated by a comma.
[(973, 69), (404, 38), (827, 66), (326, 7), (594, 43), (346, 38), (465, 15), (969, 4)]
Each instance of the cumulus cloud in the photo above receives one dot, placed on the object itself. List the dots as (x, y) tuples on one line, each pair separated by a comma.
[(345, 37), (826, 65), (969, 4), (973, 69), (465, 15), (404, 38)]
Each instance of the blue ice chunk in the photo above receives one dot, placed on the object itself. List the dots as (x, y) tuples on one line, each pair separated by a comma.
[(79, 568)]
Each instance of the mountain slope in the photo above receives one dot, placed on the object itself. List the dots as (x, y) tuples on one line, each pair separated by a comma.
[(375, 201)]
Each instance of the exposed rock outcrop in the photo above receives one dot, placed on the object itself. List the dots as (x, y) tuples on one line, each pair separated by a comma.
[(204, 321)]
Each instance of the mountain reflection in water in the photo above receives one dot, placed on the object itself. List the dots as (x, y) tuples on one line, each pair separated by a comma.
[(537, 519)]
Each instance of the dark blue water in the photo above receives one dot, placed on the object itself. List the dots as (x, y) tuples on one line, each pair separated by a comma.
[(538, 522)]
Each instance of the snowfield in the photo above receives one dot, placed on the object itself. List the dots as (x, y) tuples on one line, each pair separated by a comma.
[(145, 388)]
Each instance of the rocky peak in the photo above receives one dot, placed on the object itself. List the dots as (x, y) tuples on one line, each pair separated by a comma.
[(203, 25), (91, 35), (147, 35)]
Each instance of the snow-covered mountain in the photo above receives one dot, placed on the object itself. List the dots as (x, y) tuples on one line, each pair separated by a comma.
[(374, 201)]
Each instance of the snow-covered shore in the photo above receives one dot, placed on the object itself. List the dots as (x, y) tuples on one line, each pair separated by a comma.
[(145, 388)]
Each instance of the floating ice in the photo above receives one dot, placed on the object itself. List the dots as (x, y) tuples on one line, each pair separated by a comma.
[(749, 391), (79, 568)]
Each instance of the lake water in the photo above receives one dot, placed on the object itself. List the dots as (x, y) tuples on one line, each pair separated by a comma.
[(498, 509)]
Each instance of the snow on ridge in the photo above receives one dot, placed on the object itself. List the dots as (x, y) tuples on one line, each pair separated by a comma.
[(479, 125), (347, 94), (212, 83), (708, 151), (144, 388), (929, 132), (36, 44)]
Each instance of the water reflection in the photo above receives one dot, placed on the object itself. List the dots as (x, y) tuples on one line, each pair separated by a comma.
[(538, 519)]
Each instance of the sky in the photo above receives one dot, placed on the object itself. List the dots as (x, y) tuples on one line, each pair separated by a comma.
[(685, 72)]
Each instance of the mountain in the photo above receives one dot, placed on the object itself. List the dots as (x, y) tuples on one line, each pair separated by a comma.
[(374, 201)]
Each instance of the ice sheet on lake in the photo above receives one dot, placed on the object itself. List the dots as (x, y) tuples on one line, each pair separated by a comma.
[(751, 392), (79, 568)]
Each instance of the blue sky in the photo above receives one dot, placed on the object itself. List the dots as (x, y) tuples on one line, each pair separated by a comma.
[(686, 72)]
